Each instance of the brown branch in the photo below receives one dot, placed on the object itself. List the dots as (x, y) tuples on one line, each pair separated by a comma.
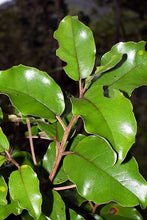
[(93, 206), (31, 142), (8, 158), (61, 122), (60, 154), (64, 187), (80, 88)]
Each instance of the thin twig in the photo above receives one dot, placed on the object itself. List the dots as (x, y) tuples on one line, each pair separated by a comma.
[(59, 154), (8, 157), (61, 122), (94, 207), (80, 88), (31, 142), (64, 187), (38, 137)]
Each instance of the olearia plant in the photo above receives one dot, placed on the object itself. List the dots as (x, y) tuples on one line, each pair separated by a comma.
[(82, 175)]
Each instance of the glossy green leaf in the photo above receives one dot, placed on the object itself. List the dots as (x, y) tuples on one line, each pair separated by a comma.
[(76, 47), (3, 191), (111, 118), (74, 215), (92, 169), (129, 74), (115, 211), (27, 190), (58, 207), (4, 144), (76, 140), (48, 162), (108, 64), (12, 207), (32, 91), (53, 131)]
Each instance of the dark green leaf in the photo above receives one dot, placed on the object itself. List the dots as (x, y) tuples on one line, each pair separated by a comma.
[(27, 191), (48, 162), (1, 114), (32, 91), (131, 73), (3, 191), (23, 158), (115, 211), (111, 118), (92, 169), (76, 47)]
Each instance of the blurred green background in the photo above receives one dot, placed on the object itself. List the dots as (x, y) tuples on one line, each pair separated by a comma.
[(26, 37)]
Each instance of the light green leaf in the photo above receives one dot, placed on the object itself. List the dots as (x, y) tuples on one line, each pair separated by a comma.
[(74, 215), (53, 131), (48, 162), (3, 191), (92, 169), (76, 47), (111, 118), (58, 207), (24, 187), (6, 210), (131, 72), (4, 144), (115, 211), (32, 91)]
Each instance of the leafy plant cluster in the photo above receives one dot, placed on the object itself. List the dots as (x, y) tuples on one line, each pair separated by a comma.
[(81, 176)]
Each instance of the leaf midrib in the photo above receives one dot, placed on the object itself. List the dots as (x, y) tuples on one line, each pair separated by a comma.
[(105, 171), (10, 89), (97, 108)]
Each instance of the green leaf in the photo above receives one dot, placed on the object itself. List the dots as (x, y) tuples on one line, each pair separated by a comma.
[(48, 162), (76, 47), (53, 131), (34, 131), (115, 211), (4, 144), (26, 216), (108, 64), (2, 160), (100, 180), (74, 215), (58, 207), (6, 210), (3, 191), (24, 187), (131, 72), (32, 91), (111, 118)]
